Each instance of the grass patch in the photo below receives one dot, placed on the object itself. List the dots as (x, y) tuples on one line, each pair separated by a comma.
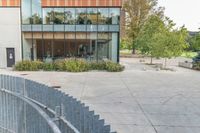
[(189, 54), (125, 52)]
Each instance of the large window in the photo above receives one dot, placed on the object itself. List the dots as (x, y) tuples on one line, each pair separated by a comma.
[(32, 14), (59, 16), (69, 32), (48, 16), (71, 47), (26, 11), (81, 16), (92, 40), (70, 16), (92, 16), (114, 15), (103, 16), (36, 12), (103, 46), (48, 52)]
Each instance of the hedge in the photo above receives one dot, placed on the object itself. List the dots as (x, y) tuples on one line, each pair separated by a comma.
[(69, 65)]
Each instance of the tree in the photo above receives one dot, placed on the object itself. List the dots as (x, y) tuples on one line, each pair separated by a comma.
[(137, 12), (144, 41), (159, 38), (36, 19), (169, 42), (195, 42), (125, 43)]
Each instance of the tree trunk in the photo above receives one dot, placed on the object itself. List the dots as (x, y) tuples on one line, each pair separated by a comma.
[(165, 63), (133, 51), (151, 60)]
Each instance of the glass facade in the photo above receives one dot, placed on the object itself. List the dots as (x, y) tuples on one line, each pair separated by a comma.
[(57, 33), (48, 16), (36, 12), (70, 16)]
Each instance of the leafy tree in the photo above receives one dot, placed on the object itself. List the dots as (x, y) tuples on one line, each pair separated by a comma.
[(125, 43), (137, 12), (159, 38), (169, 42), (144, 40), (36, 19), (195, 42)]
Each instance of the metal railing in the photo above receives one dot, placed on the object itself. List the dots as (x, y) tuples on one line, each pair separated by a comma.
[(30, 107)]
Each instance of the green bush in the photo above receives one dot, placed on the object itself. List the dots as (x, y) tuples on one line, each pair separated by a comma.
[(48, 66), (69, 65), (28, 66), (59, 65), (76, 65), (98, 65), (114, 67), (196, 66)]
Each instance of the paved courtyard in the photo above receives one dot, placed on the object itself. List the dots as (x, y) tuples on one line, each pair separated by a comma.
[(135, 101)]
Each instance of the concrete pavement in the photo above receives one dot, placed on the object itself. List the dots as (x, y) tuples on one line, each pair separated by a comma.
[(135, 101)]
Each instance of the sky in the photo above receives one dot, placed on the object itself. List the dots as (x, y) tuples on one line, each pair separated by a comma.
[(183, 12)]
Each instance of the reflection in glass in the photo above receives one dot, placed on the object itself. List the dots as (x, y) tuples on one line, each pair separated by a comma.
[(114, 15), (48, 50), (92, 16), (103, 46), (26, 12), (83, 45), (70, 16), (71, 49), (103, 16), (48, 16), (81, 16), (57, 41), (36, 12), (59, 17), (58, 49), (39, 47), (92, 40)]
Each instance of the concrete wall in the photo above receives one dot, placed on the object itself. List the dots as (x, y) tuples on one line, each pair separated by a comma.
[(10, 33)]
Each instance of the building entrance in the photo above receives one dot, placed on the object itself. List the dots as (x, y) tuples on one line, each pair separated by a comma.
[(10, 56)]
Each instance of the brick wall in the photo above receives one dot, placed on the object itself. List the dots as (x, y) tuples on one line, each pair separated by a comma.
[(83, 3), (9, 3)]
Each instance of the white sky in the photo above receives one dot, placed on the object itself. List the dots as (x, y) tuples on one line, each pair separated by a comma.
[(183, 12)]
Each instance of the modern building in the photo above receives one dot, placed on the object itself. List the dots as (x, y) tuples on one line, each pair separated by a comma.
[(48, 30)]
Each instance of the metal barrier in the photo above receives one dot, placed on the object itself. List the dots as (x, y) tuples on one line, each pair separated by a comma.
[(29, 107)]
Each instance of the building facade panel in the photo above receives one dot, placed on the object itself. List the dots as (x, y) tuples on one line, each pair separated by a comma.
[(10, 34)]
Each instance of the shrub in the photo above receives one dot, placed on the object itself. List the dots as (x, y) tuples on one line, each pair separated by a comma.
[(70, 65), (196, 66), (48, 66), (28, 66), (114, 67), (59, 65), (76, 65), (98, 65)]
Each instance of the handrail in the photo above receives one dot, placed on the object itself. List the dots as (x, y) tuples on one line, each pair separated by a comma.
[(50, 122), (10, 131), (54, 113)]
